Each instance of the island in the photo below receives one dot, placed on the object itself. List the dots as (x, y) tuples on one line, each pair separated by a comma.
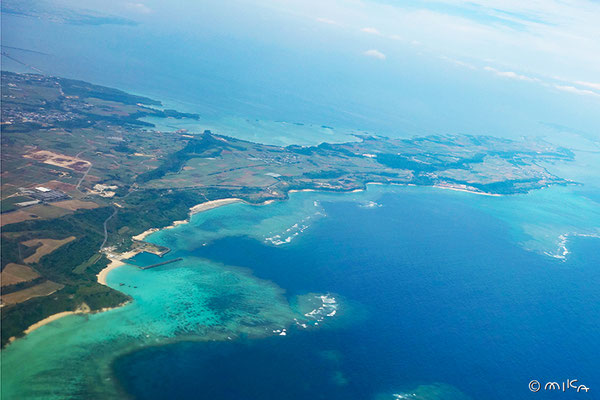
[(84, 177)]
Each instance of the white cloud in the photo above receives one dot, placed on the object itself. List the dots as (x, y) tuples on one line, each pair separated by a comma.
[(459, 62), (588, 84), (375, 54), (565, 87), (372, 31), (573, 89), (139, 7), (327, 21), (546, 37), (510, 74)]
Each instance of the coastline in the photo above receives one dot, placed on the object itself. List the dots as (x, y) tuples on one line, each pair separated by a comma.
[(49, 319), (144, 234), (301, 190), (209, 205), (114, 263), (82, 309), (116, 259), (198, 208), (456, 189)]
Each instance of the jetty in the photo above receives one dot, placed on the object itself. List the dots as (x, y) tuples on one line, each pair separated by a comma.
[(162, 263)]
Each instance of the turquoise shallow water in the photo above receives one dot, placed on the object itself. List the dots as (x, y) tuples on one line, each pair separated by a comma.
[(281, 133), (198, 300), (245, 266)]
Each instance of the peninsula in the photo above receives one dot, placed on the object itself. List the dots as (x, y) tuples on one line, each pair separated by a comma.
[(83, 175)]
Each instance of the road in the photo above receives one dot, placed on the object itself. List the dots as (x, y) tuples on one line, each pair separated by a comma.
[(106, 230)]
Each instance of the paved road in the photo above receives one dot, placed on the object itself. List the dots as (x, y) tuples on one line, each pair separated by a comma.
[(106, 230)]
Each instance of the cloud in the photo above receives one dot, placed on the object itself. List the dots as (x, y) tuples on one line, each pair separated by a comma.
[(510, 74), (588, 84), (566, 86), (375, 54), (372, 31), (458, 62), (573, 89), (327, 21), (139, 7), (546, 37)]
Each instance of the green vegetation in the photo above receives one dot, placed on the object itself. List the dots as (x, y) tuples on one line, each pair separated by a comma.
[(194, 148), (82, 89), (58, 266), (83, 266), (21, 285), (10, 203)]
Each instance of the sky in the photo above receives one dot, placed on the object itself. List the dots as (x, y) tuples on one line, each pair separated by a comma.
[(555, 43), (547, 42), (422, 66)]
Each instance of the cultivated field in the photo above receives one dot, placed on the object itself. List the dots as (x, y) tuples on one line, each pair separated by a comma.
[(75, 205), (43, 289), (47, 246), (16, 273)]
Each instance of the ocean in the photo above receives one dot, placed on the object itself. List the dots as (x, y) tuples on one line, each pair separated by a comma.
[(435, 295)]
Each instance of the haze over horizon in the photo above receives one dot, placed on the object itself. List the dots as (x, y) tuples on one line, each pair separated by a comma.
[(488, 67)]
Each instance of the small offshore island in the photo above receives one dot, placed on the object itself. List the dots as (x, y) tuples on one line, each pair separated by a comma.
[(83, 177)]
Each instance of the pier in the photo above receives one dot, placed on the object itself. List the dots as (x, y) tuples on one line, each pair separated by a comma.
[(162, 263)]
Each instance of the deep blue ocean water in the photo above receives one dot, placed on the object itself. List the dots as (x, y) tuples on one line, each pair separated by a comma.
[(432, 292)]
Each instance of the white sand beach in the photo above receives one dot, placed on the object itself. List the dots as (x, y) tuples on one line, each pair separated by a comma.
[(457, 189), (145, 234), (209, 205)]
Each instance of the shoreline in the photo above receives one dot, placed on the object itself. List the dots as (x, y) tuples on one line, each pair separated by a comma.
[(301, 190), (144, 234), (49, 319), (456, 189), (82, 309), (209, 205), (198, 208), (117, 259), (114, 263)]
